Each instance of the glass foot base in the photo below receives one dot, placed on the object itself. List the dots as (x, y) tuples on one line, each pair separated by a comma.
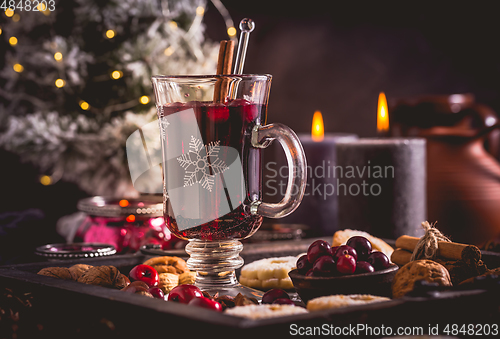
[(214, 263)]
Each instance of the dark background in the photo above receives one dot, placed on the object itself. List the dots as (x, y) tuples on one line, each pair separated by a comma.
[(336, 56)]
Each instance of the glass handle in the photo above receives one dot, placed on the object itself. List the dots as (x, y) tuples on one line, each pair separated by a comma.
[(262, 137)]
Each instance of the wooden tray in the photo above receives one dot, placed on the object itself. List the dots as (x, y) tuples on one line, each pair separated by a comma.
[(73, 310)]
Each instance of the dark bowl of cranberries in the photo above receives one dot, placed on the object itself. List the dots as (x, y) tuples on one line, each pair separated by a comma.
[(352, 268)]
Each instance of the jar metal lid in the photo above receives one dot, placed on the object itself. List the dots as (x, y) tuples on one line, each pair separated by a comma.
[(147, 205), (75, 250)]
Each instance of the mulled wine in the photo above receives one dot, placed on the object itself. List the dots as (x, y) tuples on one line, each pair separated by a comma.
[(228, 127)]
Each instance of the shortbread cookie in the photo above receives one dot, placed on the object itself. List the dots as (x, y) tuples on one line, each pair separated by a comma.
[(341, 237), (168, 264), (268, 273), (263, 311), (340, 300)]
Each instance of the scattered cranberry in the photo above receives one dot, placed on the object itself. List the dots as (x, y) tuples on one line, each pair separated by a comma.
[(144, 273), (184, 293), (206, 303), (346, 264), (157, 292), (276, 293)]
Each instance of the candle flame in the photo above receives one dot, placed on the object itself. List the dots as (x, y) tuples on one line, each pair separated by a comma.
[(382, 114), (318, 129)]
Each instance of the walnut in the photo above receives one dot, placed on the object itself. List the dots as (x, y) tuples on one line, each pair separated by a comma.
[(57, 272), (78, 270), (425, 269), (107, 276)]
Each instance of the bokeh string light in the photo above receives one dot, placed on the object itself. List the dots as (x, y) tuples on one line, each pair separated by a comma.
[(65, 62)]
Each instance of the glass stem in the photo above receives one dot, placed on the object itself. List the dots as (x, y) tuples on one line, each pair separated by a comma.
[(215, 263)]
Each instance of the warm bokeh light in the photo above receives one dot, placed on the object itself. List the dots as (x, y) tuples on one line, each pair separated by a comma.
[(45, 180), (200, 10), (84, 105), (116, 75), (131, 218), (144, 100), (168, 51), (110, 34), (58, 56), (231, 31), (0, 30), (60, 83), (16, 17), (173, 24), (13, 40), (123, 203), (18, 68), (41, 7), (9, 12), (382, 114), (318, 128)]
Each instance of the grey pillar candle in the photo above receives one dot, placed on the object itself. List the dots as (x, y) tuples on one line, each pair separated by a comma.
[(319, 207), (382, 186)]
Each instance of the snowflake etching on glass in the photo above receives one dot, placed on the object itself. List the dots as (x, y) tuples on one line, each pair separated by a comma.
[(163, 127), (201, 164)]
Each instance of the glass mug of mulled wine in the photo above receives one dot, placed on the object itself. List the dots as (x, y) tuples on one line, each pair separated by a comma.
[(213, 130)]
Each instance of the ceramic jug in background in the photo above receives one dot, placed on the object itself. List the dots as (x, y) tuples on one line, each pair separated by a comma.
[(463, 174)]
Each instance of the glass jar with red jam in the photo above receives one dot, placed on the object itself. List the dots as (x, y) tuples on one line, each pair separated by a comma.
[(127, 223)]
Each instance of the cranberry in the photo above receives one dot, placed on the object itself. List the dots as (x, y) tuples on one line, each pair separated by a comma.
[(206, 303), (378, 260), (217, 112), (310, 273), (343, 250), (324, 266), (317, 249), (276, 293), (364, 267), (157, 292), (362, 246), (303, 265), (184, 293), (284, 301), (144, 273), (346, 264)]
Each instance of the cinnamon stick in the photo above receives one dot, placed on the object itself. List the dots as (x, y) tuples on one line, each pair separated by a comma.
[(224, 66), (446, 249), (400, 256)]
